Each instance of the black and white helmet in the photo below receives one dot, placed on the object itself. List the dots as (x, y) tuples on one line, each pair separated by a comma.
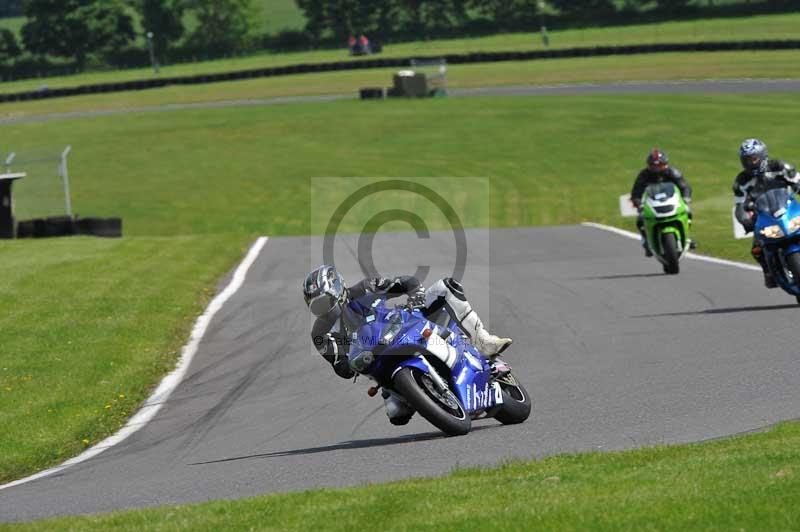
[(754, 157), (324, 290)]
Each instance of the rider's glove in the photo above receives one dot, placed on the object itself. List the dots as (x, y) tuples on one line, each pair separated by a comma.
[(380, 285), (338, 359), (417, 299), (342, 368)]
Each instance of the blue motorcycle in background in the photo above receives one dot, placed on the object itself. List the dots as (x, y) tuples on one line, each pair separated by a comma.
[(777, 231), (432, 368)]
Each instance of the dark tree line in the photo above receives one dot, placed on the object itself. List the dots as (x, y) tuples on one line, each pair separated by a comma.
[(10, 8), (112, 32), (108, 31), (337, 19)]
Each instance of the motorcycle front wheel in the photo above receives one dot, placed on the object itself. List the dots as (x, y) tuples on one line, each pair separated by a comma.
[(669, 248), (442, 409)]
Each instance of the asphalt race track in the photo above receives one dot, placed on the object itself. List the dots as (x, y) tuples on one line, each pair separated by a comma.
[(615, 354), (703, 86)]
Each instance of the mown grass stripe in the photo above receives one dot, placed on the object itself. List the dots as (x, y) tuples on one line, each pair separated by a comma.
[(168, 384)]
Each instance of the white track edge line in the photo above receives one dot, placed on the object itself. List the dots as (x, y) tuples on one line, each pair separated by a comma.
[(695, 256), (168, 384)]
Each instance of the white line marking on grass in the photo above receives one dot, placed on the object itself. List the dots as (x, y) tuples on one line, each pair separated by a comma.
[(695, 256), (171, 381)]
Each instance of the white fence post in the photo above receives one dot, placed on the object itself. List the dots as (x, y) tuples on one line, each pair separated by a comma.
[(65, 175)]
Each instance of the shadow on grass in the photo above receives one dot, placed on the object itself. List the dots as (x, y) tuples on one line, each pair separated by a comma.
[(351, 444), (729, 310)]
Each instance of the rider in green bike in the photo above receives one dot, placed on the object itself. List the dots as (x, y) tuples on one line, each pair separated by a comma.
[(658, 170)]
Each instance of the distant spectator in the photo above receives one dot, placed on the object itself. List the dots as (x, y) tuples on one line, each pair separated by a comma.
[(364, 42)]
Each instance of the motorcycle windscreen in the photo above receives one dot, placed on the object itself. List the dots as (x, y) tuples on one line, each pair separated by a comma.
[(661, 191), (773, 202)]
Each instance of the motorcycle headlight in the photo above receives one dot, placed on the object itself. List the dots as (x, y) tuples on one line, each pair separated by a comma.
[(392, 328), (772, 231), (362, 361), (794, 224)]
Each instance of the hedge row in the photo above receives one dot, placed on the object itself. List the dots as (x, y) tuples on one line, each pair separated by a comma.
[(482, 57)]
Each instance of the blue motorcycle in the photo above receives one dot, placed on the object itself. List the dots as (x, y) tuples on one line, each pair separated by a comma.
[(432, 368), (777, 231)]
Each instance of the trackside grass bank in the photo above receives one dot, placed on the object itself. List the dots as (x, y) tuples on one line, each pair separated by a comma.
[(762, 27), (722, 65), (88, 325), (552, 160), (745, 483)]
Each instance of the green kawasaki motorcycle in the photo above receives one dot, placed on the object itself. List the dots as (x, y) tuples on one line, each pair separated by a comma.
[(666, 222)]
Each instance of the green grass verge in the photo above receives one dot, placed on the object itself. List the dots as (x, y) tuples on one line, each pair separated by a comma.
[(89, 325), (748, 28), (554, 159), (744, 483), (727, 65)]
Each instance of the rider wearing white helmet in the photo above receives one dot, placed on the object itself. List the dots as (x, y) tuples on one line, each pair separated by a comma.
[(759, 174), (326, 294)]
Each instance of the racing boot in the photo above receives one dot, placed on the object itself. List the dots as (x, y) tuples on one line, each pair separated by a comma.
[(397, 410), (769, 281), (449, 294), (647, 252), (645, 247), (487, 343), (758, 254), (640, 227)]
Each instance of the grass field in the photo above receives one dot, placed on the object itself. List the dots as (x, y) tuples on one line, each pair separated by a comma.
[(88, 326), (746, 483), (215, 171), (749, 28), (781, 64)]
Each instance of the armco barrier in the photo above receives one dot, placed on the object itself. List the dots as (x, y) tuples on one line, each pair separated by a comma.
[(455, 59), (67, 226)]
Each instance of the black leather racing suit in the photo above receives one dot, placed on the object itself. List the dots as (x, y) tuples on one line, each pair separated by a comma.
[(648, 177), (747, 187), (327, 333)]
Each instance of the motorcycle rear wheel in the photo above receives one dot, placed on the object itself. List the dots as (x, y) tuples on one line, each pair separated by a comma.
[(669, 248), (444, 412), (516, 406)]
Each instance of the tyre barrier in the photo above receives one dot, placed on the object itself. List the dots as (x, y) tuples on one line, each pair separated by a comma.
[(456, 59), (66, 226), (371, 93)]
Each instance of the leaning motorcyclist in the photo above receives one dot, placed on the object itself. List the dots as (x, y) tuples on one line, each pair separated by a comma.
[(658, 170), (759, 174), (327, 296)]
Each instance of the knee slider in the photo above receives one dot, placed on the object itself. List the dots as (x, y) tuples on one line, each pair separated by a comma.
[(455, 288)]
